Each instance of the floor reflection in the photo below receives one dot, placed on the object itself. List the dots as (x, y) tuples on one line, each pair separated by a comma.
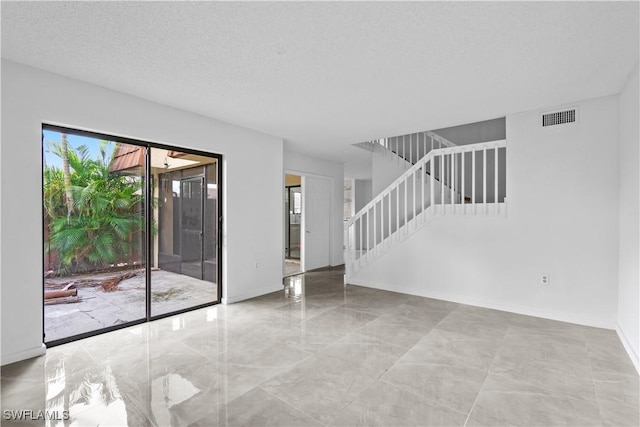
[(294, 286), (167, 392), (89, 396)]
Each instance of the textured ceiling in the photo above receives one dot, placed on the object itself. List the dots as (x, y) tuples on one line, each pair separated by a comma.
[(324, 75)]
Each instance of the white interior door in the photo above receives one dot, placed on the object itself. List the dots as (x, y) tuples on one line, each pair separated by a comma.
[(316, 212)]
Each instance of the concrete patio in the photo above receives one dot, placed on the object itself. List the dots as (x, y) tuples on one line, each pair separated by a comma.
[(98, 309)]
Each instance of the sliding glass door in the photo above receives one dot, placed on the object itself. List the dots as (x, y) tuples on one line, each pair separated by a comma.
[(187, 239), (130, 232)]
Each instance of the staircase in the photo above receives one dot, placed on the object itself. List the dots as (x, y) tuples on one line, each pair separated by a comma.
[(410, 148), (440, 179)]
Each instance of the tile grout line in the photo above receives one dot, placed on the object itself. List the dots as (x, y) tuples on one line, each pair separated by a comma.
[(259, 386), (421, 397), (484, 381), (593, 380)]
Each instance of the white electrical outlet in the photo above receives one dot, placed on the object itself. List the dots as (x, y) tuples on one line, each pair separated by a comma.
[(544, 279)]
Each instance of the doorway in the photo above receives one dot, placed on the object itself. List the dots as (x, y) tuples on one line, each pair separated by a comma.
[(131, 232), (293, 224), (316, 222)]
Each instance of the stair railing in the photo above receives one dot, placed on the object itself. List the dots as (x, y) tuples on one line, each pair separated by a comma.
[(412, 147), (449, 180)]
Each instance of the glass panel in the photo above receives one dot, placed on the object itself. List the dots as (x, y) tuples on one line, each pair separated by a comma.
[(295, 216), (191, 211), (185, 273), (211, 224), (93, 234)]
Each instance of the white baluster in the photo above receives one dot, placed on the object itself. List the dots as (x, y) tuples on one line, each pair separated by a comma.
[(424, 144), (495, 170), (452, 183), (462, 186), (390, 217), (398, 209), (432, 179), (484, 175), (368, 226), (361, 248), (375, 227), (411, 149), (423, 175), (406, 203), (404, 150), (413, 177), (442, 175), (473, 180), (382, 219)]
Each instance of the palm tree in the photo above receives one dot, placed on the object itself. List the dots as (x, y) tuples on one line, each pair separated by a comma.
[(64, 150), (94, 216)]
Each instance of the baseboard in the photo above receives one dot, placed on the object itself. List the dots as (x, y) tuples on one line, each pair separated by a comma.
[(629, 348), (526, 311), (254, 293), (23, 355)]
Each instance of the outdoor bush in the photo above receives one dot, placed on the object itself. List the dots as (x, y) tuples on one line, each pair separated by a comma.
[(102, 224)]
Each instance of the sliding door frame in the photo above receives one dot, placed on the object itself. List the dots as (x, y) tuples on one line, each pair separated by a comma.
[(148, 217)]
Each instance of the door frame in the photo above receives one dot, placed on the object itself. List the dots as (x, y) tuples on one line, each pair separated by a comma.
[(148, 216), (203, 189), (288, 222), (332, 220)]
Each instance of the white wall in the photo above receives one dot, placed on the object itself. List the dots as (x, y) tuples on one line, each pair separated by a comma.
[(385, 170), (562, 220), (472, 133), (362, 193), (253, 185), (629, 267), (300, 164)]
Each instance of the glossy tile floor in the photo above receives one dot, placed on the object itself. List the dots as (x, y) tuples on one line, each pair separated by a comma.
[(319, 353)]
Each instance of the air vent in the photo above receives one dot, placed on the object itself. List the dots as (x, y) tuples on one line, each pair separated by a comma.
[(559, 118)]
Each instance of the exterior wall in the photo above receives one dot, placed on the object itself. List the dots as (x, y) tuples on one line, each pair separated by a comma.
[(562, 221), (31, 97), (629, 266)]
